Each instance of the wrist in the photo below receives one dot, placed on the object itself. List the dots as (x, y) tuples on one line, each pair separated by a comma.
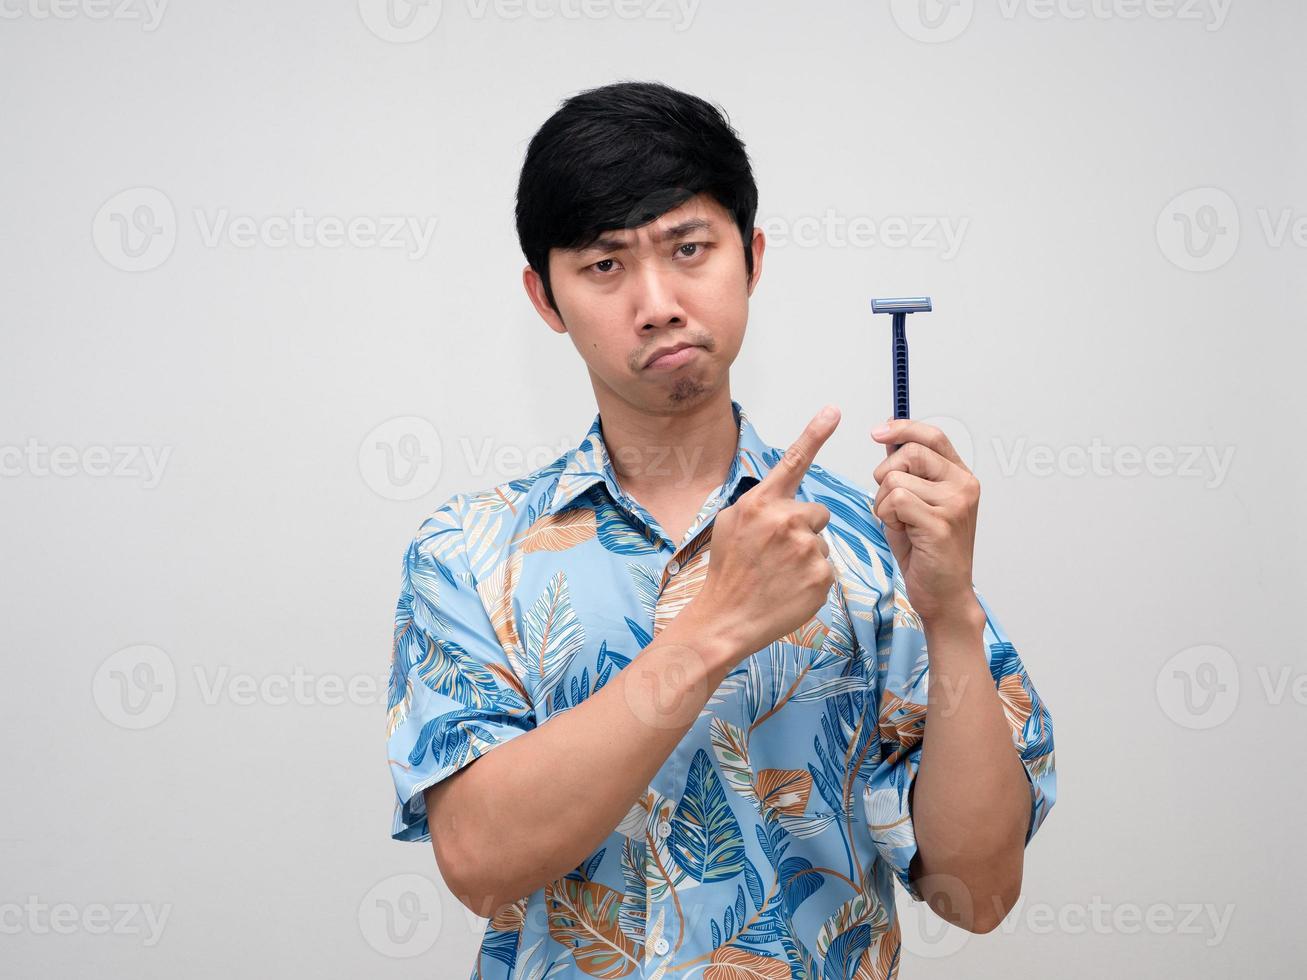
[(711, 636), (962, 617)]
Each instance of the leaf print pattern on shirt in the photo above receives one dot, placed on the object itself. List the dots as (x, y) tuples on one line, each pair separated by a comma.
[(767, 842)]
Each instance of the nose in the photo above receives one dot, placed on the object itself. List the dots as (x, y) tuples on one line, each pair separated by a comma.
[(656, 301)]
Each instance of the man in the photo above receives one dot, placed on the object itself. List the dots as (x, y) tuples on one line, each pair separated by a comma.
[(689, 765)]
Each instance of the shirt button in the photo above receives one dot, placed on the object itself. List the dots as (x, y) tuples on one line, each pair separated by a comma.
[(664, 829), (673, 567), (662, 946)]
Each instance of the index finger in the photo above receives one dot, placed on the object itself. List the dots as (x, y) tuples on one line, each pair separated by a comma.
[(902, 431), (790, 469)]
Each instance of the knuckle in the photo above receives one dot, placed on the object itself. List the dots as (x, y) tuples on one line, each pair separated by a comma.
[(826, 576), (793, 457)]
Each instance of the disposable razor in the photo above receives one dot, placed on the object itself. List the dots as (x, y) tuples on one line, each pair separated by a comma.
[(900, 308)]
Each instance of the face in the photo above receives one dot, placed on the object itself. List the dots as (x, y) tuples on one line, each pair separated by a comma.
[(679, 280)]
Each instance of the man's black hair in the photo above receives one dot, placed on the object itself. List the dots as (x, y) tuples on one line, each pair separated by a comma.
[(620, 155)]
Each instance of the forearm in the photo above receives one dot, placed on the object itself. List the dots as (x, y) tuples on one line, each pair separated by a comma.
[(971, 798), (534, 808)]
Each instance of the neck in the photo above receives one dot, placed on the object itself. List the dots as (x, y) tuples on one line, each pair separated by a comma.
[(680, 448)]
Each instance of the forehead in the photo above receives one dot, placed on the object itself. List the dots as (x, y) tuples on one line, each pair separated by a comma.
[(699, 215)]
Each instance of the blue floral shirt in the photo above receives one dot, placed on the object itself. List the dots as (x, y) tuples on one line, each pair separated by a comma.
[(767, 844)]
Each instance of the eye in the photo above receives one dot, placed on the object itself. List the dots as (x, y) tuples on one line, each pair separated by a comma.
[(602, 262), (699, 246)]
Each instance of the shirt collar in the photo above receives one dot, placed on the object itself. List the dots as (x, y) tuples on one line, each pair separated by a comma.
[(589, 464)]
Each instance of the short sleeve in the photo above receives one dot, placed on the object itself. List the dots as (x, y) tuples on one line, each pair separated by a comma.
[(900, 690), (452, 693)]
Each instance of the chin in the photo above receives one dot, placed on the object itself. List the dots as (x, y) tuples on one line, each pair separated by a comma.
[(687, 390)]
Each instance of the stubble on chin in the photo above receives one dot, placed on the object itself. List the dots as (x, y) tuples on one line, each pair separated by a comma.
[(685, 389)]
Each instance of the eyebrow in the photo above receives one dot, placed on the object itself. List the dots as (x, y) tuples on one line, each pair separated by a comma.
[(603, 245)]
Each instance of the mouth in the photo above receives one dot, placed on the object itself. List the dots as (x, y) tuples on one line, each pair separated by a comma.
[(678, 355)]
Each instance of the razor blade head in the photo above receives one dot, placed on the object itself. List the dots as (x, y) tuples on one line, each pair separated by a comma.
[(909, 304)]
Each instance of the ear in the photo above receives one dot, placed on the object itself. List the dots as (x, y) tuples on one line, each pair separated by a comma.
[(757, 244), (535, 291)]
